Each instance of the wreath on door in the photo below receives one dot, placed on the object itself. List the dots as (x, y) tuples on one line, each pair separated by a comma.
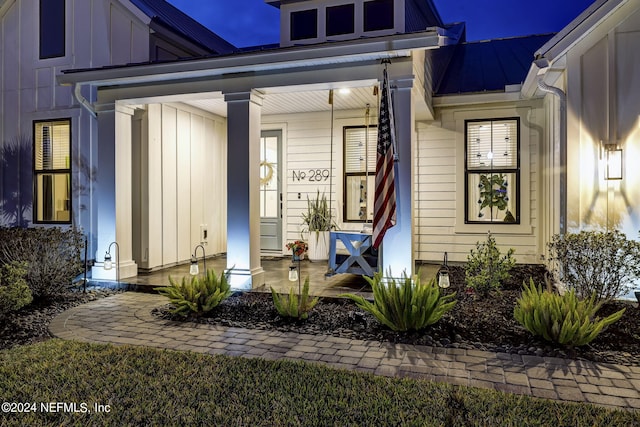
[(268, 167)]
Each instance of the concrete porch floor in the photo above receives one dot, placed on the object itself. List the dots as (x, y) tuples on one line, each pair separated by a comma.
[(277, 276)]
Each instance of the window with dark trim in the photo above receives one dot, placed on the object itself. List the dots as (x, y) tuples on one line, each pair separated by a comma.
[(340, 20), (52, 171), (378, 15), (492, 171), (52, 29), (304, 24), (359, 172)]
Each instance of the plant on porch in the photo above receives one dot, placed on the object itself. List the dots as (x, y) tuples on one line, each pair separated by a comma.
[(408, 305), (319, 222), (297, 248), (197, 295)]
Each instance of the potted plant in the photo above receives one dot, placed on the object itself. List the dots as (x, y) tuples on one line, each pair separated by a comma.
[(297, 248), (318, 222)]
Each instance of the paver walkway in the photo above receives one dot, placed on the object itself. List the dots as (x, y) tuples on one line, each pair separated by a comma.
[(126, 319)]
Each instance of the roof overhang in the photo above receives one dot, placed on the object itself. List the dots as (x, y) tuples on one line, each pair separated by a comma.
[(323, 56), (550, 59)]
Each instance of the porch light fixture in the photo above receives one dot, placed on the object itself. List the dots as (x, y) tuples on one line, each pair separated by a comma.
[(613, 169), (194, 270), (108, 263)]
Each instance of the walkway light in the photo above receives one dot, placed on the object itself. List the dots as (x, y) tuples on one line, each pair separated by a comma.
[(108, 263)]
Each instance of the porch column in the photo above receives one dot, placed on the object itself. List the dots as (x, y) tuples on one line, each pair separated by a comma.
[(113, 191), (243, 185), (397, 247)]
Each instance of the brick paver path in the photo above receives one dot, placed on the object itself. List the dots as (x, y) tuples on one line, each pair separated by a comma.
[(126, 319)]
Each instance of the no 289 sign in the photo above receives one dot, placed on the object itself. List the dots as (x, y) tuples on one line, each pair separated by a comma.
[(311, 175)]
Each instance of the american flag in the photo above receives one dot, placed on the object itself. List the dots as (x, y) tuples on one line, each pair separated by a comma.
[(384, 211)]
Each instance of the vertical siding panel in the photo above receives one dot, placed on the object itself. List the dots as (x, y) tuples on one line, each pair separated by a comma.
[(183, 183), (169, 187)]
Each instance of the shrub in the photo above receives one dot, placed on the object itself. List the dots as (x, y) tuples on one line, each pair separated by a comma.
[(408, 305), (604, 263), (486, 267), (52, 256), (197, 295), (296, 306), (14, 292), (563, 319)]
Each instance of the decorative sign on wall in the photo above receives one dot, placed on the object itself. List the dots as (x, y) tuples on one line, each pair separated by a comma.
[(311, 175)]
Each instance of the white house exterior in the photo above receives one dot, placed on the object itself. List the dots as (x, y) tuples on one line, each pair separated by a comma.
[(216, 149)]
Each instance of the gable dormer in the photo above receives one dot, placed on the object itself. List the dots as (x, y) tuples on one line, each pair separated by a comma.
[(318, 21)]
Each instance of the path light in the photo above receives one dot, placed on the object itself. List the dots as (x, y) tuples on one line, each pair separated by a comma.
[(293, 273), (108, 263), (194, 270), (443, 274)]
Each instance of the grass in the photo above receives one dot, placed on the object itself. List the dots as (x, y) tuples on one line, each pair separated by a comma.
[(145, 386)]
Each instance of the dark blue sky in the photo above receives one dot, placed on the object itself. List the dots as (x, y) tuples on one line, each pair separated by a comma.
[(252, 22)]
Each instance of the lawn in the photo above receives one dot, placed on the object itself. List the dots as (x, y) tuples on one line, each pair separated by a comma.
[(143, 386)]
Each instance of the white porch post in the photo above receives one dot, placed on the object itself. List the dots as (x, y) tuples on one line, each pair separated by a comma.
[(397, 247), (113, 191), (243, 185)]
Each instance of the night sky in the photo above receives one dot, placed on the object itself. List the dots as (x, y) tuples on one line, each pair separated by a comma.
[(253, 22)]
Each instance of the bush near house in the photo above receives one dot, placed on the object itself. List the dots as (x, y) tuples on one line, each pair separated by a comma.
[(294, 306), (197, 295), (604, 263), (487, 268), (408, 305), (14, 292), (562, 319), (52, 256)]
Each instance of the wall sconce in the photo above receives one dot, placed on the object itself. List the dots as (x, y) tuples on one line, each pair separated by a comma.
[(613, 169), (108, 263), (194, 270)]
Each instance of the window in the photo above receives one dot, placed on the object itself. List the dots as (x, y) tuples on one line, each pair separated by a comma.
[(304, 24), (492, 169), (378, 15), (52, 171), (52, 29), (340, 20), (359, 173)]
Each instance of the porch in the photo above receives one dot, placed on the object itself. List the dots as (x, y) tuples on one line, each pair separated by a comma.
[(276, 275)]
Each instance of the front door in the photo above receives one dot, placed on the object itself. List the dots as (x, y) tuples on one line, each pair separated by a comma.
[(270, 192)]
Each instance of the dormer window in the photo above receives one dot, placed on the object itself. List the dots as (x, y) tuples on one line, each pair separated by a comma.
[(304, 24), (340, 20), (378, 15)]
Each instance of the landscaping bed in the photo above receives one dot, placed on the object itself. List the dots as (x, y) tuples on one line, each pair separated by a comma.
[(474, 323)]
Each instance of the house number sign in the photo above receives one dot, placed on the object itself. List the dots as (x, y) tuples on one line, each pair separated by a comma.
[(311, 175)]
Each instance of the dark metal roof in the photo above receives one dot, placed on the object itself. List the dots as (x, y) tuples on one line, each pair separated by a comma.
[(420, 15), (483, 66), (171, 17)]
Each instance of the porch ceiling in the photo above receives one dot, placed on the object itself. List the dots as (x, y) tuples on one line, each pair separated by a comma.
[(300, 100)]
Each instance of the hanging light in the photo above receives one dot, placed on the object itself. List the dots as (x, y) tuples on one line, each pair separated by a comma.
[(293, 273), (193, 269)]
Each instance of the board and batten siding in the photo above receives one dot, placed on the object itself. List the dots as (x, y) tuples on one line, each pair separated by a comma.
[(186, 184), (307, 162), (439, 187)]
